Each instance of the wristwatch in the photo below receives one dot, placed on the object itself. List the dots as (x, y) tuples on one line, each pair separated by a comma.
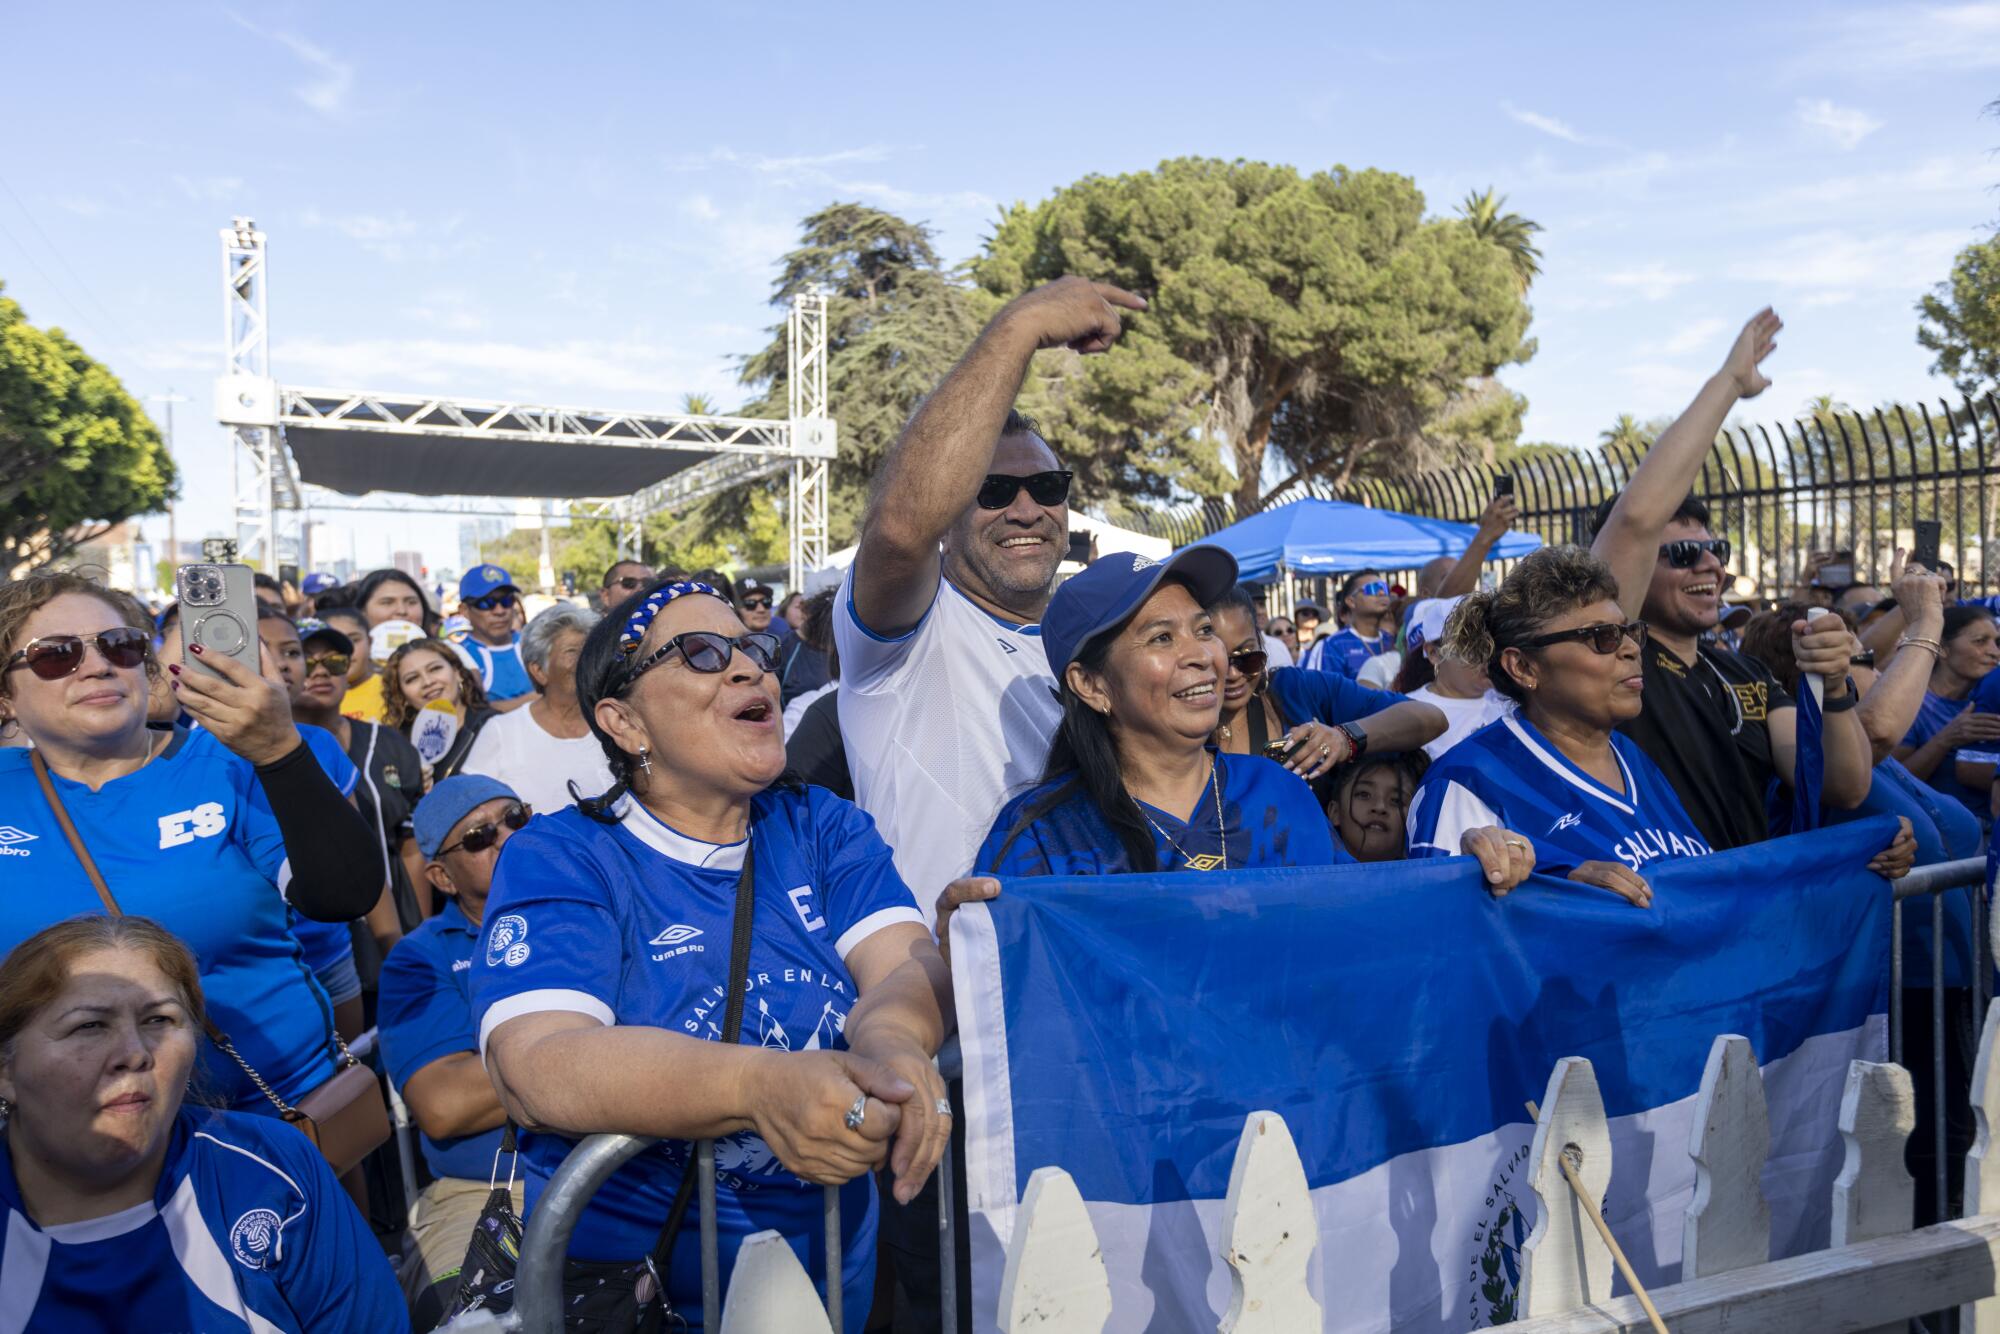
[(1355, 738)]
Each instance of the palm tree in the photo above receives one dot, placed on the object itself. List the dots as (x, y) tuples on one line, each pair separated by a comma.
[(1626, 433), (1513, 233), (698, 405)]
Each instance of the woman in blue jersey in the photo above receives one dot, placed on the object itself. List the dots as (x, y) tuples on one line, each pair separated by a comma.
[(1966, 651), (212, 832), (128, 1209), (1557, 771), (1132, 782), (1322, 717), (601, 987)]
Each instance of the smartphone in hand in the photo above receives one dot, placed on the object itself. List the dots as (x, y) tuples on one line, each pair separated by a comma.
[(1504, 485), (1930, 533), (218, 612)]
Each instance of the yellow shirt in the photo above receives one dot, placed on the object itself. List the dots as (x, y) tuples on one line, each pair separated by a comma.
[(364, 701)]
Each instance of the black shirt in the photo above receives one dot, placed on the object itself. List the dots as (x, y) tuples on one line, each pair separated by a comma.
[(816, 752), (1707, 725), (392, 782)]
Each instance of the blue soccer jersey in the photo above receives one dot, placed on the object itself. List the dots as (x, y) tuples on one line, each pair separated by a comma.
[(424, 1014), (1325, 696), (247, 1231), (189, 841), (501, 673), (630, 924), (1345, 651), (1267, 817), (1933, 716), (1509, 774)]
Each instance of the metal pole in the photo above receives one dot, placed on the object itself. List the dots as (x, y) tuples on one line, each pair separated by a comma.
[(1937, 1050), (947, 1245), (1896, 982), (836, 1305), (538, 1299), (711, 1266)]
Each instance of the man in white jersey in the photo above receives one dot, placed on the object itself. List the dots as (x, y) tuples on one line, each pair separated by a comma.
[(946, 700)]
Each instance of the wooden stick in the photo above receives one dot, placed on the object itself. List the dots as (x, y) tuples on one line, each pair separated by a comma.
[(1604, 1231)]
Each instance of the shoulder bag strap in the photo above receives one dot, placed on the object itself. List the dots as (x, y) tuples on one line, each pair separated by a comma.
[(732, 1029), (97, 882)]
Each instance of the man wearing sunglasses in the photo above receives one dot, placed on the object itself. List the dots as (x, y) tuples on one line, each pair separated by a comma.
[(754, 599), (621, 581), (428, 1040), (487, 598), (1717, 723)]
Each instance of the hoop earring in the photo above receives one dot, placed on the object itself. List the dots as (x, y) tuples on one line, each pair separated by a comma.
[(10, 727), (645, 761)]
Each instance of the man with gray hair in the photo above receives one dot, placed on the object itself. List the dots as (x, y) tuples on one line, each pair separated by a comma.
[(541, 750)]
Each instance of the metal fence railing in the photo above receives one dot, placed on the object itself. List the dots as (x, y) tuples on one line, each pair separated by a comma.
[(1838, 479)]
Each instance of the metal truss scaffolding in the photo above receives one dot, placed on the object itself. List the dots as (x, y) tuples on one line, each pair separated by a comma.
[(300, 449)]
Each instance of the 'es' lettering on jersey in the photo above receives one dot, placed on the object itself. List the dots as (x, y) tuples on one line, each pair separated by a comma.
[(204, 821)]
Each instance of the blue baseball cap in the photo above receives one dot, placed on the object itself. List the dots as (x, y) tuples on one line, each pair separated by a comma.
[(451, 801), (1111, 588), (483, 579), (316, 583)]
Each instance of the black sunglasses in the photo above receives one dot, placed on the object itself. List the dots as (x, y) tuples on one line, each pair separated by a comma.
[(997, 492), (756, 604), (628, 582), (483, 836), (708, 652), (1250, 661), (492, 600), (1686, 553), (336, 664), (1601, 638), (52, 657)]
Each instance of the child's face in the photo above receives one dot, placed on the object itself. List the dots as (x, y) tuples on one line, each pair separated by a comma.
[(1368, 814)]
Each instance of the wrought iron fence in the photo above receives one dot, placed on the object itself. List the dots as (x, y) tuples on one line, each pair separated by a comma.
[(1834, 481)]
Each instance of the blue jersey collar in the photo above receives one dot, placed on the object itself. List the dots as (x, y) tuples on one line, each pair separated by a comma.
[(669, 842)]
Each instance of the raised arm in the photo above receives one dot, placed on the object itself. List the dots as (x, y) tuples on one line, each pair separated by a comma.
[(934, 469), (1494, 521), (1890, 706), (1629, 541)]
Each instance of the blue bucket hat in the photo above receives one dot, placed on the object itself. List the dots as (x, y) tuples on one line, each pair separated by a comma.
[(451, 801), (1111, 588), (483, 579)]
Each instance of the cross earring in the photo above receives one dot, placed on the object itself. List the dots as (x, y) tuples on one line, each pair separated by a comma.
[(645, 761)]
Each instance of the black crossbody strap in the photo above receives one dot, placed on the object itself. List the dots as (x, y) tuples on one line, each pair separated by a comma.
[(732, 1029)]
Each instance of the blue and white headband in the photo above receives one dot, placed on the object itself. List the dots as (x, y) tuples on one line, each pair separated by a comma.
[(641, 619)]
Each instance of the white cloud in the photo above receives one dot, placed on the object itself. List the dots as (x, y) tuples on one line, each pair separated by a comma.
[(1835, 261), (1653, 281), (700, 206), (1549, 125), (82, 207), (1844, 126), (330, 79), (1916, 39), (394, 237), (209, 189), (1696, 337)]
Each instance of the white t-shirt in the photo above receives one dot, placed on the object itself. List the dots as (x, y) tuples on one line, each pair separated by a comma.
[(1462, 717), (942, 725), (515, 749), (1275, 649), (795, 712)]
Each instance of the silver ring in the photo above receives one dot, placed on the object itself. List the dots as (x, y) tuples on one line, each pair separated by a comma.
[(943, 1107), (858, 1112), (1517, 842)]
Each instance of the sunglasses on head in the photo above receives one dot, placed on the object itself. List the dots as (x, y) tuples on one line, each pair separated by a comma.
[(336, 664), (1686, 553), (52, 657), (997, 492), (757, 604), (1600, 638), (483, 836), (1249, 661), (707, 652), (492, 600)]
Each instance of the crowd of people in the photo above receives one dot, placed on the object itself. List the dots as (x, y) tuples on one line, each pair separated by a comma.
[(682, 861)]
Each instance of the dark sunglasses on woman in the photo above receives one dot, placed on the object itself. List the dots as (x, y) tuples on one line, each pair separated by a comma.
[(483, 836), (492, 600), (707, 652), (1601, 638), (52, 657), (336, 664), (1686, 553), (997, 492), (1250, 661)]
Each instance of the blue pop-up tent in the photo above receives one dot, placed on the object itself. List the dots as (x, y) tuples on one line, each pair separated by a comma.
[(1332, 536)]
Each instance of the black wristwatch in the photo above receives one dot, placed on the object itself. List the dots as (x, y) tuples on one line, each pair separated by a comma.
[(1356, 738)]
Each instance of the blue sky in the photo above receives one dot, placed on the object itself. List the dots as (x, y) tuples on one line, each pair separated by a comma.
[(583, 204)]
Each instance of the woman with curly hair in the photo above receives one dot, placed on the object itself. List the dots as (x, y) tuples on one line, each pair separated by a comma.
[(424, 672)]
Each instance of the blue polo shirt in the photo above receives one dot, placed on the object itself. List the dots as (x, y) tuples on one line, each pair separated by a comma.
[(1267, 818), (188, 840), (630, 923), (425, 1012), (500, 671), (1509, 774)]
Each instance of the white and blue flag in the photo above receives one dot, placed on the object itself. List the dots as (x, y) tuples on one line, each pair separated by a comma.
[(1398, 1017)]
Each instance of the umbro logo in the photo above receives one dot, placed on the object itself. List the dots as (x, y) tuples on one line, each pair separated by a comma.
[(9, 836), (678, 934), (1569, 821)]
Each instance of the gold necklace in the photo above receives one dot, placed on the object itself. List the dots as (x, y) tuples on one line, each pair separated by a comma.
[(1207, 861)]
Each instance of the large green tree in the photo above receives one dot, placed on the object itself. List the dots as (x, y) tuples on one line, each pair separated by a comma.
[(77, 452), (896, 322), (1319, 318), (1961, 320)]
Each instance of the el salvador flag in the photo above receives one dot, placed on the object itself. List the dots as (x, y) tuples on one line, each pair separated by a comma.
[(1398, 1017)]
